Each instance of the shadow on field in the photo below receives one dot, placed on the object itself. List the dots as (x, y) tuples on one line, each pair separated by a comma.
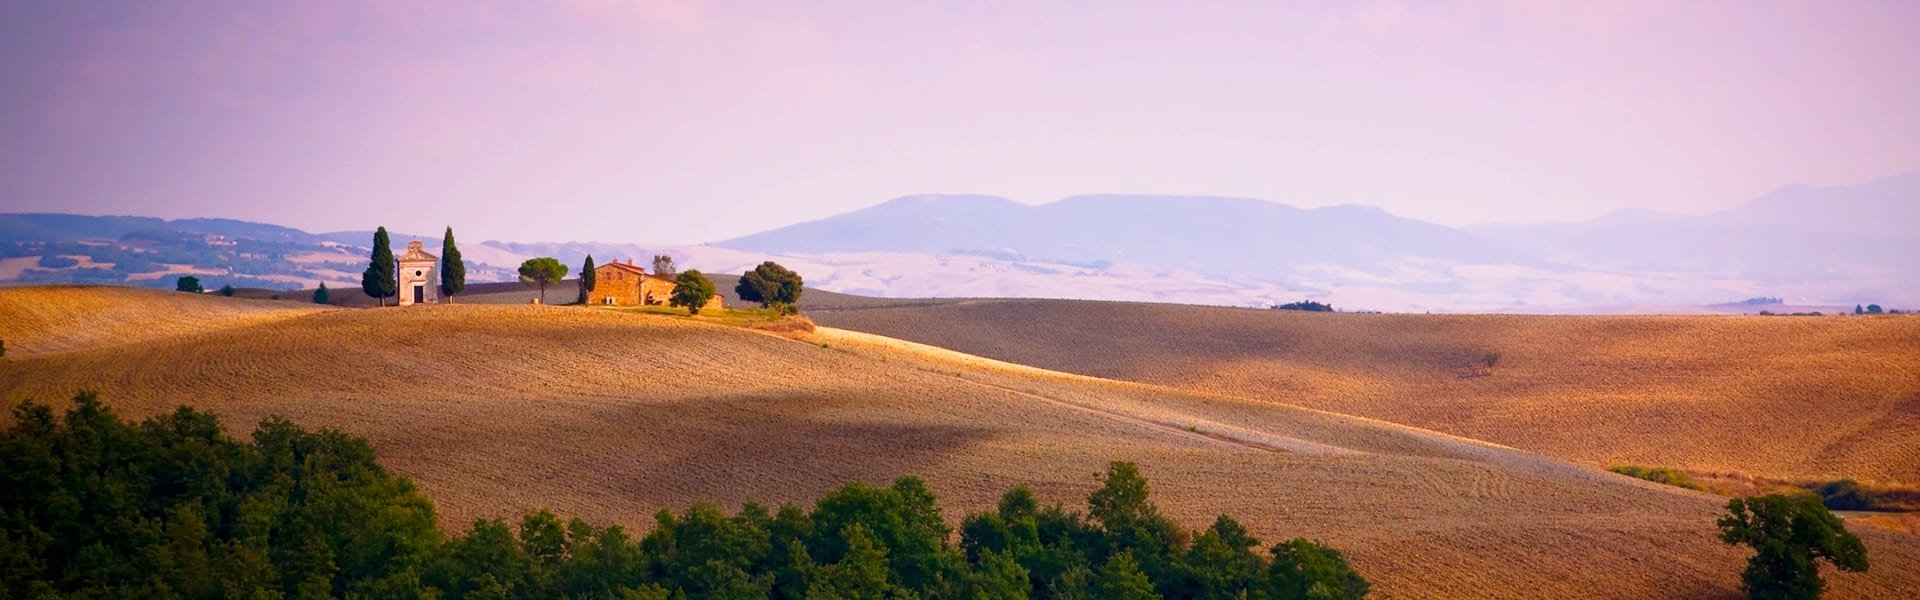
[(797, 445)]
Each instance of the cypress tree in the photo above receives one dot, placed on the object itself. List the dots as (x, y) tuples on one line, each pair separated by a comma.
[(453, 271), (322, 296), (587, 281), (379, 281)]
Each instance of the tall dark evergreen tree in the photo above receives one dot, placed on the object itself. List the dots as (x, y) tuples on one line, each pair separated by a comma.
[(322, 296), (380, 281), (453, 270), (587, 280)]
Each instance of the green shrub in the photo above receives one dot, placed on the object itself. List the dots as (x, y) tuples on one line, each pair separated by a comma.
[(1657, 475)]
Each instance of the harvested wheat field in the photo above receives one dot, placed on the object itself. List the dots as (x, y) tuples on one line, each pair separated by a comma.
[(36, 320), (1781, 397), (611, 415)]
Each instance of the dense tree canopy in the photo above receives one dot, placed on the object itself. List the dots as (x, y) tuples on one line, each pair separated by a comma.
[(381, 280), (453, 269), (93, 506), (188, 283), (321, 295), (542, 272), (770, 284), (691, 289), (1789, 533), (1306, 305)]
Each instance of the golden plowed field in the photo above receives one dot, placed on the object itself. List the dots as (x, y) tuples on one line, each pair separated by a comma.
[(1780, 397), (611, 415), (36, 320)]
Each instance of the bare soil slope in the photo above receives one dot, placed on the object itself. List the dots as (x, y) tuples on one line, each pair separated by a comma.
[(610, 415), (39, 320), (1786, 397)]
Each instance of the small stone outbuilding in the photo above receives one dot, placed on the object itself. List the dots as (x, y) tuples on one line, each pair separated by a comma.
[(419, 276)]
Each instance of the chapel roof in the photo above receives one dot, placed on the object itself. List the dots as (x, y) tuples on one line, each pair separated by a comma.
[(414, 253)]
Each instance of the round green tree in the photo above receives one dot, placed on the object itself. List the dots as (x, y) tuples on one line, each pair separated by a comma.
[(188, 284), (692, 290), (321, 295), (770, 284), (542, 271), (1788, 534)]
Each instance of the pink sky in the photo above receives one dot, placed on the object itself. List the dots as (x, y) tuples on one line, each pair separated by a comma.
[(676, 121)]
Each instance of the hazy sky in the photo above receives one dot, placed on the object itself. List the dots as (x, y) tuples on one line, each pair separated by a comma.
[(676, 121)]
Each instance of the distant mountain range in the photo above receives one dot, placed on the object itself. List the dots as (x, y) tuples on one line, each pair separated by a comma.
[(1825, 244), (1230, 236), (1811, 246), (1797, 234)]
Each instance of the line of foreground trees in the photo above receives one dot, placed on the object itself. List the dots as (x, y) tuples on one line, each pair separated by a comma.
[(94, 506)]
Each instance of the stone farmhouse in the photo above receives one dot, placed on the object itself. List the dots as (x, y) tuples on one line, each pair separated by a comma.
[(626, 284)]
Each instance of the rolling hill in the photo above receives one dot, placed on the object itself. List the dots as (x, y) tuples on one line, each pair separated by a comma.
[(1784, 397), (608, 415)]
